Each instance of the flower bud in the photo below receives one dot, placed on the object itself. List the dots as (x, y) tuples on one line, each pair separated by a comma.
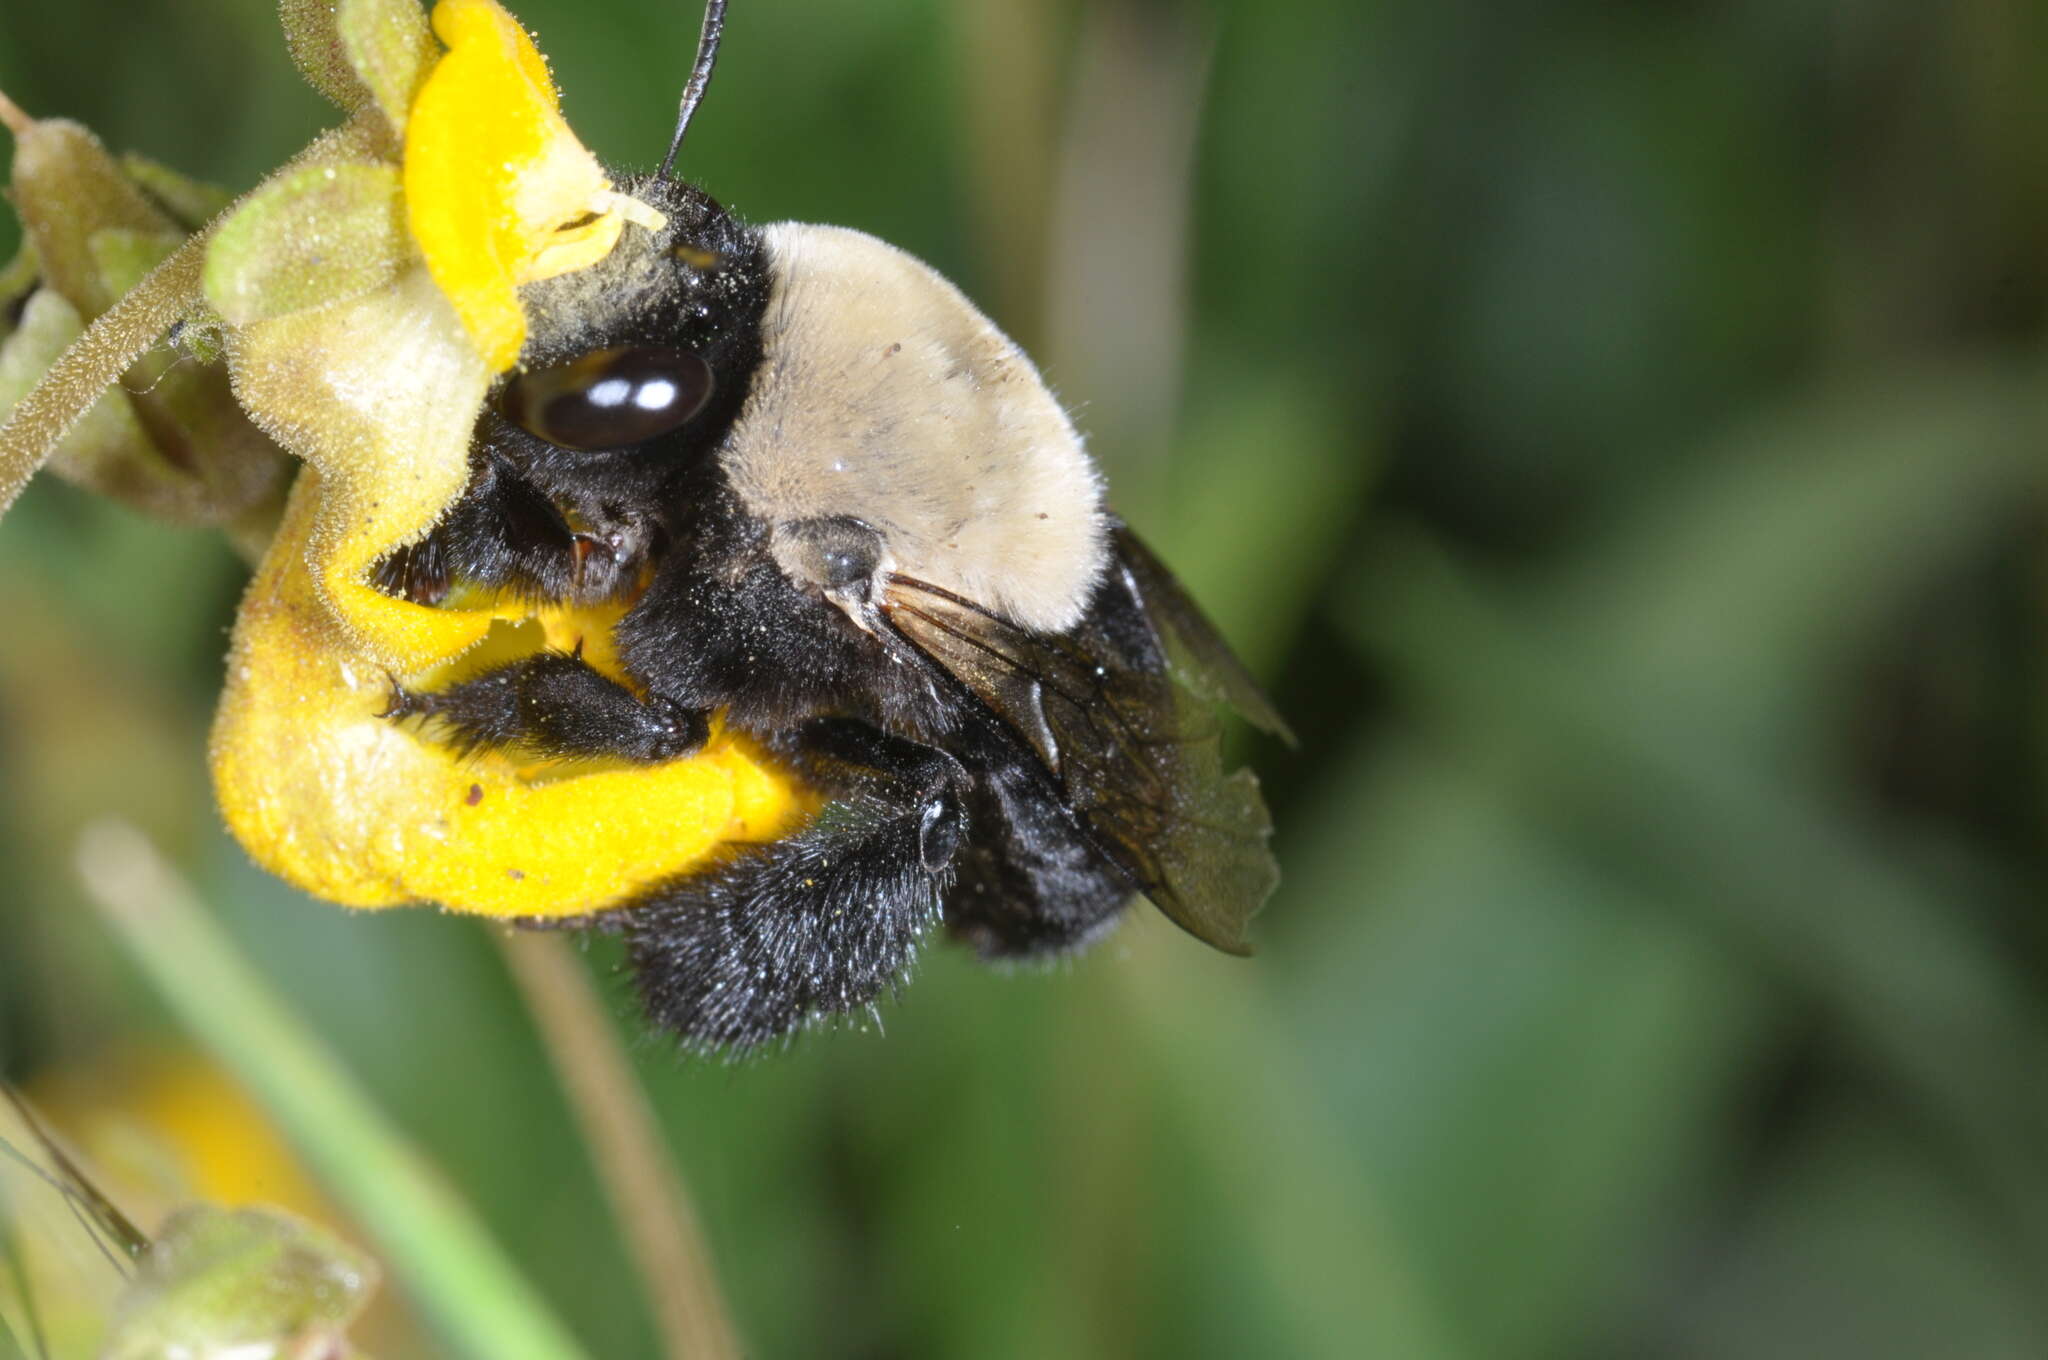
[(170, 439)]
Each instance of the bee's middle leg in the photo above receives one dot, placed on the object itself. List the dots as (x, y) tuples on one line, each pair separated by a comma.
[(555, 706)]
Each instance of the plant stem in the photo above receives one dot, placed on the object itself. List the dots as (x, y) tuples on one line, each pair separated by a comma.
[(461, 1280), (12, 118), (648, 1198), (114, 340)]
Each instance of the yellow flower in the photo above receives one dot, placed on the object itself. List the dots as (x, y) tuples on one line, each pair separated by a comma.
[(498, 191), (351, 808), (378, 387), (365, 297)]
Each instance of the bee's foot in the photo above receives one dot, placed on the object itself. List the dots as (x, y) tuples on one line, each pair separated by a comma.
[(402, 703)]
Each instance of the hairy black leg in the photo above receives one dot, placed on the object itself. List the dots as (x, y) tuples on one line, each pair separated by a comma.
[(1030, 885), (504, 533), (501, 533), (816, 924), (556, 706)]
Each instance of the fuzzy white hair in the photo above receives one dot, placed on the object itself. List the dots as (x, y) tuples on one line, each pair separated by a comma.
[(885, 395)]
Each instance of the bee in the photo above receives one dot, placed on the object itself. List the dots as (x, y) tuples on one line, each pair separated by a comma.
[(852, 522)]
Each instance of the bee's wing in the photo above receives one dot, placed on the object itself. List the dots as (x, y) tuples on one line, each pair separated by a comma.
[(1120, 713), (1201, 658)]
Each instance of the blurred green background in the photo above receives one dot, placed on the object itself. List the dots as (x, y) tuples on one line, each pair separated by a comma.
[(1616, 431)]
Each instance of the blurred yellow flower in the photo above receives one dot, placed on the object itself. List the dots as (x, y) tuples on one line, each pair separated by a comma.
[(162, 1131)]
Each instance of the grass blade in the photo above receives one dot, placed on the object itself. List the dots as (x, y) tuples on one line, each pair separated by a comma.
[(433, 1242)]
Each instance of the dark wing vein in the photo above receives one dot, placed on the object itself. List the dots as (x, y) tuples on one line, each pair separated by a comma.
[(1132, 745), (1207, 665), (1042, 670)]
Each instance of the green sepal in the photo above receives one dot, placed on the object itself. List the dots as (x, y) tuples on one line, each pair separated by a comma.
[(21, 276), (191, 202), (311, 37), (107, 450), (363, 54), (391, 49), (315, 235), (170, 441)]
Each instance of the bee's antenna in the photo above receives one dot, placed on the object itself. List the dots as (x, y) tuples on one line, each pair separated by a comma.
[(693, 93)]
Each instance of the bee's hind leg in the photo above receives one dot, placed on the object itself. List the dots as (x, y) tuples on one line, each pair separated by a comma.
[(1030, 887), (816, 924)]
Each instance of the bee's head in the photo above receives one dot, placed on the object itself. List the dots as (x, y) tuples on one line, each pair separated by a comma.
[(640, 361)]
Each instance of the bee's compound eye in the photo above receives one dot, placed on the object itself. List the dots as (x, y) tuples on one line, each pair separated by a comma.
[(609, 398)]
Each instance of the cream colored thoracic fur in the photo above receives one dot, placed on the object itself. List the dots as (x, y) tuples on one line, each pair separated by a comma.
[(884, 395)]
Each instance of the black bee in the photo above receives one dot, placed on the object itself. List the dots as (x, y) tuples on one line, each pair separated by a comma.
[(852, 518)]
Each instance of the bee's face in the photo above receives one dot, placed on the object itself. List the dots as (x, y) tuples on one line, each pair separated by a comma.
[(643, 358)]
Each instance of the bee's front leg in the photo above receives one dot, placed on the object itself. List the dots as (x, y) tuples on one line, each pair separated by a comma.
[(504, 534)]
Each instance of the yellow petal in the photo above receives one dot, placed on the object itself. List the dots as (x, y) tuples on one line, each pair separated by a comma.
[(357, 810), (498, 190), (380, 393)]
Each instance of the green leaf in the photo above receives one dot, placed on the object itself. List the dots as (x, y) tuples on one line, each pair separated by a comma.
[(1859, 1244), (1526, 1054)]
